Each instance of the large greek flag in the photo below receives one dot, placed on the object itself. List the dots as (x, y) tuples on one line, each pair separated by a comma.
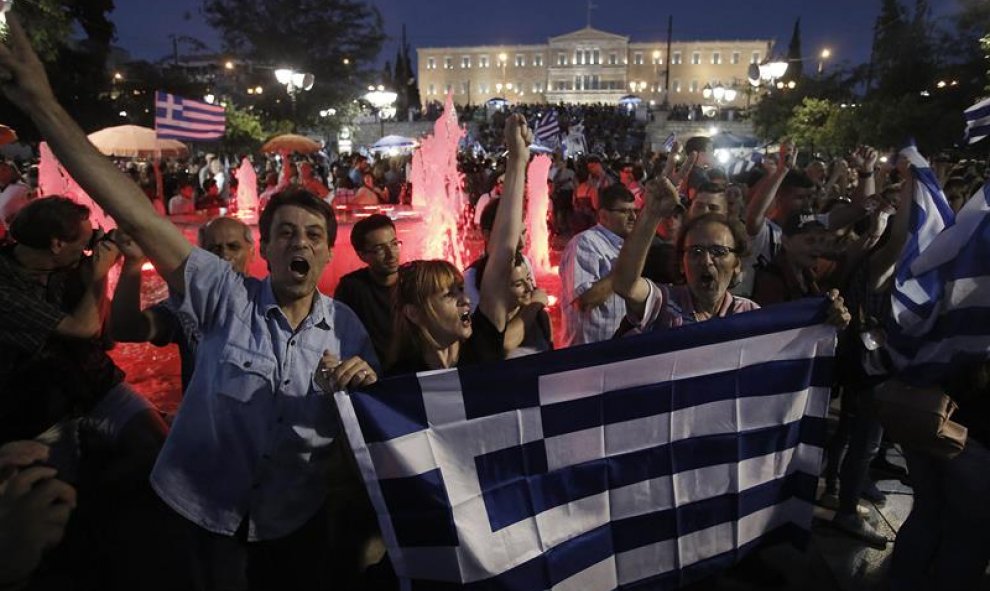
[(654, 459), (977, 121), (941, 295)]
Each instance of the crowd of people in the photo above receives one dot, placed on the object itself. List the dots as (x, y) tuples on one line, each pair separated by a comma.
[(251, 485)]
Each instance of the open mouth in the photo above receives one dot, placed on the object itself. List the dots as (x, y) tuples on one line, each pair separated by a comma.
[(299, 267), (466, 318), (707, 280)]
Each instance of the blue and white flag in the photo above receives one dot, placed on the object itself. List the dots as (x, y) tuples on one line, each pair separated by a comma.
[(977, 121), (547, 131), (741, 165), (941, 294), (178, 118), (654, 459)]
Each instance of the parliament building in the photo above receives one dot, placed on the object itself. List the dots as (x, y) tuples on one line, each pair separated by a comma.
[(588, 66)]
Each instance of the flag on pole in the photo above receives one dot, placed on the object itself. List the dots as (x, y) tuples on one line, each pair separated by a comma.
[(547, 130), (977, 121), (178, 118), (654, 459), (941, 294)]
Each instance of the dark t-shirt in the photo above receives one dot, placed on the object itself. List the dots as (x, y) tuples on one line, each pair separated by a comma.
[(486, 344), (372, 303), (45, 378), (186, 337)]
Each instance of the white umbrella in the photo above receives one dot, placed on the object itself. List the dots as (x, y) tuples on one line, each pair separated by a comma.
[(394, 143), (133, 141)]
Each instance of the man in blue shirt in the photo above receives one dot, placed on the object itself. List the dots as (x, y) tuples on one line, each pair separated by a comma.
[(251, 457)]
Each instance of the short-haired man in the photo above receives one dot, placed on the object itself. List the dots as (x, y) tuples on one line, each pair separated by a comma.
[(368, 291), (161, 324), (709, 198), (56, 378), (184, 202), (592, 311), (249, 460)]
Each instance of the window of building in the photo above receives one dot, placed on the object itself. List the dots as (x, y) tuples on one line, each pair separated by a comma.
[(595, 82), (696, 58), (538, 60), (448, 63), (466, 62), (694, 86), (520, 61), (716, 58), (613, 59), (755, 58), (598, 57), (675, 85), (559, 85), (675, 58), (448, 88), (735, 57), (638, 58), (465, 88), (561, 59), (432, 90), (483, 88), (431, 63), (483, 61), (657, 58)]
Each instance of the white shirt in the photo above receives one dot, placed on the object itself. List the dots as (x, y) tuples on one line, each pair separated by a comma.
[(762, 248), (588, 258)]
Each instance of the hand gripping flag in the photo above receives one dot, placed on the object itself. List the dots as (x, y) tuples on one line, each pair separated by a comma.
[(941, 295), (650, 460), (184, 119)]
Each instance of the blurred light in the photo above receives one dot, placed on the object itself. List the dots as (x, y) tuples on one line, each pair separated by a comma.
[(656, 54), (925, 93), (722, 156), (147, 266), (712, 130), (347, 62), (941, 84), (118, 76), (826, 53), (883, 159), (123, 113), (551, 301), (502, 57), (209, 98), (792, 84), (283, 75), (730, 94), (250, 91), (228, 65), (258, 90)]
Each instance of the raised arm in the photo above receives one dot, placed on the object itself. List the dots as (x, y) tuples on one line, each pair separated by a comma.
[(766, 190), (495, 301), (26, 85), (128, 322), (627, 279)]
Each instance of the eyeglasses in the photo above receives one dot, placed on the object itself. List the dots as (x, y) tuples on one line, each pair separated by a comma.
[(716, 251), (383, 249), (629, 211)]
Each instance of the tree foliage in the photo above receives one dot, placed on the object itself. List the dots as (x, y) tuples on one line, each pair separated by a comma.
[(335, 40)]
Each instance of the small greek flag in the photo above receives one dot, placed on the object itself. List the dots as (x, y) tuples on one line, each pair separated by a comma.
[(547, 130), (977, 121)]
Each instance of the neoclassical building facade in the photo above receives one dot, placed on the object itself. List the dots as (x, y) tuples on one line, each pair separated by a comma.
[(588, 66)]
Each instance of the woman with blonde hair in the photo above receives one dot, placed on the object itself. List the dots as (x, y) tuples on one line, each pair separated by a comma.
[(434, 326)]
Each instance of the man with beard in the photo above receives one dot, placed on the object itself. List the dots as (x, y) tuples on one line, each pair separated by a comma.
[(250, 462), (368, 291), (595, 311)]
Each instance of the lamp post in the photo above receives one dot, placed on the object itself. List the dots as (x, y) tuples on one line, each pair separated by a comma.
[(380, 99), (294, 83)]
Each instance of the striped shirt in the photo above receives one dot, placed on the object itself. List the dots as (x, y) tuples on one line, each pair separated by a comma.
[(588, 258)]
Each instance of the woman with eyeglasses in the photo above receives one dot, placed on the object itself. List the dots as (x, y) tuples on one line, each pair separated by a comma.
[(434, 326), (711, 248)]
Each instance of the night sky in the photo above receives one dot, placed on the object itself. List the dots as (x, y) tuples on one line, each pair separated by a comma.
[(845, 26)]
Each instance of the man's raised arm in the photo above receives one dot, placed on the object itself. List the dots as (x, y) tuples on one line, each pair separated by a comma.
[(24, 82)]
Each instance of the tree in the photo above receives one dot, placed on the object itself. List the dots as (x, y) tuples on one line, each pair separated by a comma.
[(336, 40), (795, 60), (76, 65)]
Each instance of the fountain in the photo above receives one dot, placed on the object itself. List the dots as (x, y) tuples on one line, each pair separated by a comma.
[(538, 203), (53, 179), (437, 188)]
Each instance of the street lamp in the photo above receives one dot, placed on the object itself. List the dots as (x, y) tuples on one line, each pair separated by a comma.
[(294, 81), (380, 99), (824, 55)]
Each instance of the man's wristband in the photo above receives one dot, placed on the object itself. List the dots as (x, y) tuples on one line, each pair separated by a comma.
[(865, 175)]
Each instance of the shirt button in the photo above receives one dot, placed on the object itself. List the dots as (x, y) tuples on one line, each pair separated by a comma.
[(292, 343), (247, 364), (286, 382)]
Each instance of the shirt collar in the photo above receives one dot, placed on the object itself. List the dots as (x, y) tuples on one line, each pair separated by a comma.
[(609, 235), (319, 314)]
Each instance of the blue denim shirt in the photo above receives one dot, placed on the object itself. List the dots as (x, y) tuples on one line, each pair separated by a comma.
[(253, 435)]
